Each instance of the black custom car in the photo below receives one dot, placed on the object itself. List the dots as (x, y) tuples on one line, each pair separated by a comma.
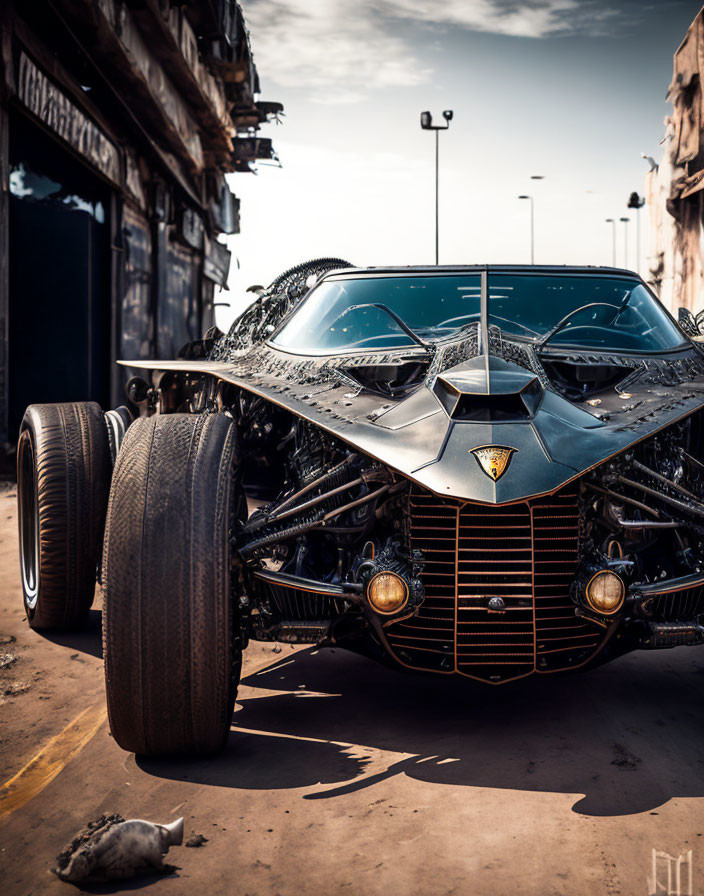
[(482, 471)]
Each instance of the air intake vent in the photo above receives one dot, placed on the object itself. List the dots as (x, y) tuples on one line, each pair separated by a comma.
[(494, 407)]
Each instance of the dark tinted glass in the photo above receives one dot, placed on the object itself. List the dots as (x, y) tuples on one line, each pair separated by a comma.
[(338, 315), (330, 319), (622, 315)]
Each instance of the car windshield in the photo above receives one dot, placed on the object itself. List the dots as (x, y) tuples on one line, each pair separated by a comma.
[(611, 313)]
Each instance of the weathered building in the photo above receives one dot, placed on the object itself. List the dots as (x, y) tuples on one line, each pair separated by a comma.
[(118, 122), (675, 188)]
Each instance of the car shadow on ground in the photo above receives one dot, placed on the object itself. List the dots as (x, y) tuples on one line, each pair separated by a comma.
[(88, 640), (627, 736)]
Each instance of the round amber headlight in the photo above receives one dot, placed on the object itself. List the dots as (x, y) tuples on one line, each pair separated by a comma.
[(387, 593), (605, 592)]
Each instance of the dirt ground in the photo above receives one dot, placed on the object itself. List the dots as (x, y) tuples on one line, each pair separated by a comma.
[(343, 776)]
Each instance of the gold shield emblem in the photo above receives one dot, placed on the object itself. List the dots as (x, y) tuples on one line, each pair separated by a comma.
[(493, 459)]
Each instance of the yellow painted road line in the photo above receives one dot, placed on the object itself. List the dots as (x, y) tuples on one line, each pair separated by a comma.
[(50, 760)]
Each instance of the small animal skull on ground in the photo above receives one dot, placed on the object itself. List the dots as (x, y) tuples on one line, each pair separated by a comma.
[(111, 848)]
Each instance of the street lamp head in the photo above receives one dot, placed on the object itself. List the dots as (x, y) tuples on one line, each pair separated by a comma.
[(448, 115), (537, 177), (610, 221), (635, 201), (625, 220), (426, 121), (524, 197)]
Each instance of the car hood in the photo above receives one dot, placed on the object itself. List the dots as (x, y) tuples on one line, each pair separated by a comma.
[(483, 430)]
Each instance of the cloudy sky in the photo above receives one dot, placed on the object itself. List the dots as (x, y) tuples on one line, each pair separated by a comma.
[(570, 89)]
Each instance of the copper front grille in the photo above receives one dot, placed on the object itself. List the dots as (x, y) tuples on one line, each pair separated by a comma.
[(562, 639), (524, 553)]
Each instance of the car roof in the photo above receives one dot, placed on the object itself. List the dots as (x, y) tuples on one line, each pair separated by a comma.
[(411, 270)]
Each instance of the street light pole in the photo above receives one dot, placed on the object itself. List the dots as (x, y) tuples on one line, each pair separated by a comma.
[(637, 202), (625, 241), (437, 196), (532, 228), (426, 123), (612, 222)]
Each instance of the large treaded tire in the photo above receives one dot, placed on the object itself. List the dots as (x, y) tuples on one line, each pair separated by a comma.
[(171, 664), (63, 479)]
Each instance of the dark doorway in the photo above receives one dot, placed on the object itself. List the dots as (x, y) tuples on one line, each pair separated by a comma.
[(59, 310)]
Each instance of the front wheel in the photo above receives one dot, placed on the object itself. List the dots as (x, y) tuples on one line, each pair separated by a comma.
[(172, 657)]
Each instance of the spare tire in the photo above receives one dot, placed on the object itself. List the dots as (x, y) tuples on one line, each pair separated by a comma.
[(63, 480), (170, 642)]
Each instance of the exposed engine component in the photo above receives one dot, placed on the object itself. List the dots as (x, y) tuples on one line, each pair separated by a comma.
[(262, 318), (643, 524), (692, 324), (672, 634), (336, 522)]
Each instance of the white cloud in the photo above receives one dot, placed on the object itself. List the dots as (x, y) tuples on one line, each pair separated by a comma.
[(535, 20), (328, 45)]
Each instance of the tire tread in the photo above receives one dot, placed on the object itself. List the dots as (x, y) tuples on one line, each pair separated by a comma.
[(73, 471), (167, 630)]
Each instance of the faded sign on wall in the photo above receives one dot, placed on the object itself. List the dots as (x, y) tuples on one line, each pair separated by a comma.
[(56, 110)]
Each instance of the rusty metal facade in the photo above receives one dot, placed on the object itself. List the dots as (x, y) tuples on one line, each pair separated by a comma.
[(150, 105), (674, 188)]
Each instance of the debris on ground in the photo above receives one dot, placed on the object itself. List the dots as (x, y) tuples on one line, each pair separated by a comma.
[(623, 758), (13, 688), (196, 840), (7, 660), (110, 848)]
